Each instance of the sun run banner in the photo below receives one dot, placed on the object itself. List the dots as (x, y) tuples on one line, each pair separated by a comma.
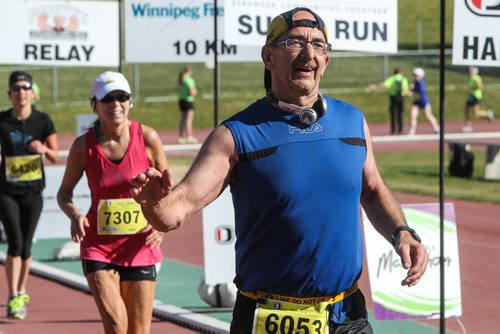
[(353, 25), (62, 33), (391, 301), (476, 36)]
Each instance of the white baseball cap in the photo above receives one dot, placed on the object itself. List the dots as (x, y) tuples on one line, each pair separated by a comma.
[(419, 72), (107, 82)]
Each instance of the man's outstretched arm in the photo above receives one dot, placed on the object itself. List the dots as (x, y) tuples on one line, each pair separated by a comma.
[(167, 209)]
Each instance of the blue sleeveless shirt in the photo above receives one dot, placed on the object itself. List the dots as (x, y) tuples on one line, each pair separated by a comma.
[(296, 194)]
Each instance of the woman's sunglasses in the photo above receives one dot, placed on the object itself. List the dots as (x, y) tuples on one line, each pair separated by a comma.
[(16, 88), (122, 97)]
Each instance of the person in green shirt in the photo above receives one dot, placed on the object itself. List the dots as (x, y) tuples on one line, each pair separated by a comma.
[(473, 102), (187, 92), (398, 87), (36, 93)]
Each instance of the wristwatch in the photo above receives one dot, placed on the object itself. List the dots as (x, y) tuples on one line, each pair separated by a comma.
[(414, 234)]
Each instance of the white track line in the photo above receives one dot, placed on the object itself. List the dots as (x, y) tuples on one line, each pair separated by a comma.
[(171, 313)]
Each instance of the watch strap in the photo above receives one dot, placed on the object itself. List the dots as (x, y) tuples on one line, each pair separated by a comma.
[(413, 233)]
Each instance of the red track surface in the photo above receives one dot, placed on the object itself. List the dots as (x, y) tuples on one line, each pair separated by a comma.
[(58, 309)]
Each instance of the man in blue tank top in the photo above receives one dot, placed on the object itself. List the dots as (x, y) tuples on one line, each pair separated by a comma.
[(299, 165)]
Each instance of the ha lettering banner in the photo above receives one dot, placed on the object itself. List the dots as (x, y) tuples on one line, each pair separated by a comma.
[(476, 37)]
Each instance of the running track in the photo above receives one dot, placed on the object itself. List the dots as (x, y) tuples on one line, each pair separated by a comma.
[(59, 309)]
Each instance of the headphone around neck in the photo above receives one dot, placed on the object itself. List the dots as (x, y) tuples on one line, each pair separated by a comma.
[(307, 116)]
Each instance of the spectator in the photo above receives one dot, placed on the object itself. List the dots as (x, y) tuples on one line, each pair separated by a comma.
[(398, 89)]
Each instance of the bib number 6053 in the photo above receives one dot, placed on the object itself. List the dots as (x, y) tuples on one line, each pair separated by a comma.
[(292, 325)]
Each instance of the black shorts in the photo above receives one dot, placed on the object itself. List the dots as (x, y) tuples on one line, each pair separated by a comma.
[(185, 106), (142, 273), (472, 100), (356, 322), (420, 104)]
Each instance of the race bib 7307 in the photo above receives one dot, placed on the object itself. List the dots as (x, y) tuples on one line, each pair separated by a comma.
[(120, 216)]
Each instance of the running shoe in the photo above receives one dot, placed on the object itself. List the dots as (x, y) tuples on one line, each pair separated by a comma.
[(16, 309), (467, 128), (181, 140), (24, 297), (191, 140), (491, 115)]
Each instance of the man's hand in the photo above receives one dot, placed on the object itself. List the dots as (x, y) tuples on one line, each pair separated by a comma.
[(149, 187), (414, 257)]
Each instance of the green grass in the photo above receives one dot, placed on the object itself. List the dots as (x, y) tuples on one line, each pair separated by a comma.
[(418, 173), (241, 84)]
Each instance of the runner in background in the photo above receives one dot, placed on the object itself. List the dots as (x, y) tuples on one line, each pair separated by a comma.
[(421, 102), (473, 101), (37, 93), (27, 138), (187, 93), (118, 248)]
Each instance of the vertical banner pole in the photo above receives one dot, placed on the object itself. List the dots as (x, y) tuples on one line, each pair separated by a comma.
[(120, 36), (442, 322), (216, 68)]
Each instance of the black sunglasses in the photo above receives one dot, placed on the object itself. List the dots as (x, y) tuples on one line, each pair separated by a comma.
[(122, 97), (25, 87)]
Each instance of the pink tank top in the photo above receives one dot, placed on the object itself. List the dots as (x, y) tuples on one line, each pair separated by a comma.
[(108, 180)]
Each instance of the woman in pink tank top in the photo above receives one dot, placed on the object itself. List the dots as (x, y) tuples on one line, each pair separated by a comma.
[(118, 248)]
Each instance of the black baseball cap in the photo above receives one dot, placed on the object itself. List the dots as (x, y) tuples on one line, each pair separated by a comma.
[(19, 76), (284, 22)]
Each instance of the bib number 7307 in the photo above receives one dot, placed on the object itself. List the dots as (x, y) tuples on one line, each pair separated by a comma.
[(120, 216)]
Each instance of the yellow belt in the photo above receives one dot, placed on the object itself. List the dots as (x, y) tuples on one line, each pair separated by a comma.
[(304, 301)]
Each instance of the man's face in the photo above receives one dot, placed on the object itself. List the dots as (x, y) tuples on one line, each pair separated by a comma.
[(296, 72)]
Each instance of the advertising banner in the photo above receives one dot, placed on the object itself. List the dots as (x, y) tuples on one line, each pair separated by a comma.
[(218, 240), (353, 25), (179, 31), (391, 301), (62, 33), (53, 223), (476, 37)]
